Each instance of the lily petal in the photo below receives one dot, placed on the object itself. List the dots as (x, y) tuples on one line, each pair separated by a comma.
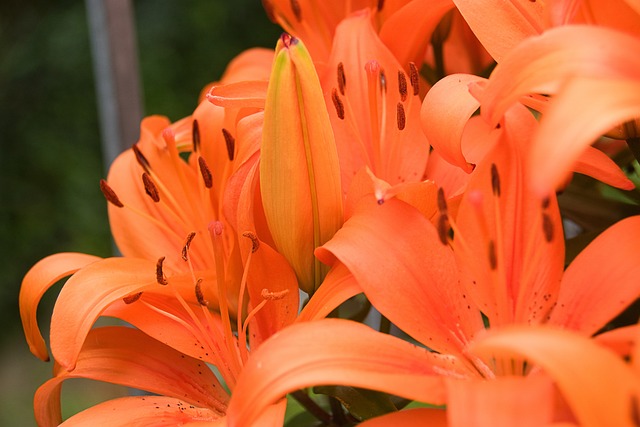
[(587, 298), (596, 164), (597, 385), (126, 356), (44, 274), (157, 411), (334, 351), (244, 94), (416, 417), (379, 245)]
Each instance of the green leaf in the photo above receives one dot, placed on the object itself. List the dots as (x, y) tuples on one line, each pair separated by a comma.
[(361, 403)]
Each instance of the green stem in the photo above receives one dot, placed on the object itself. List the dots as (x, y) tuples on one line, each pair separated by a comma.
[(312, 407)]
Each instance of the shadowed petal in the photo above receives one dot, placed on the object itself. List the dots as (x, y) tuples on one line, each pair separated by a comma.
[(417, 417), (38, 279)]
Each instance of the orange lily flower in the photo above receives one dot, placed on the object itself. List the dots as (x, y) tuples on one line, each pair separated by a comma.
[(504, 262)]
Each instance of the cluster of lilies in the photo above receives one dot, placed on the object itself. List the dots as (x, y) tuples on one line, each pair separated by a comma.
[(367, 216)]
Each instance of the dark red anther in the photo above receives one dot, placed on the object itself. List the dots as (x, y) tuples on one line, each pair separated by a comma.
[(185, 247), (159, 273), (130, 299), (195, 135), (295, 7), (414, 78), (495, 180), (150, 188), (443, 229), (255, 243), (442, 202), (402, 119), (342, 79), (200, 295), (205, 172), (493, 257), (402, 85), (140, 158), (109, 194), (230, 142), (337, 103), (547, 227)]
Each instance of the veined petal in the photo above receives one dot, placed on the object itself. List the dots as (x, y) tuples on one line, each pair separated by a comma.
[(126, 356), (541, 64), (598, 386), (333, 351), (416, 417), (156, 411), (401, 265), (299, 169), (584, 109), (602, 280), (44, 274), (338, 286), (444, 114), (516, 19)]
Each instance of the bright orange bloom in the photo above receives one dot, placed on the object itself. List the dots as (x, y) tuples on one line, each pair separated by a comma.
[(503, 266)]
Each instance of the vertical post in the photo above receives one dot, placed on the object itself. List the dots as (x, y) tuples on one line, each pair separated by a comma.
[(116, 73)]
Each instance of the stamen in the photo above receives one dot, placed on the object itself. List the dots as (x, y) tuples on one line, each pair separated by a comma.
[(109, 194), (195, 135), (444, 228), (230, 141), (337, 103), (495, 180), (255, 243), (383, 81), (273, 296), (150, 188), (414, 78), (442, 202), (199, 295), (205, 172), (295, 7), (185, 247), (546, 202), (130, 299), (493, 258), (547, 227), (402, 119), (635, 410), (402, 85), (342, 79), (159, 273), (380, 5), (140, 158)]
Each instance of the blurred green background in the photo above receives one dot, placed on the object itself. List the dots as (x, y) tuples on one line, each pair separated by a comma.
[(50, 162)]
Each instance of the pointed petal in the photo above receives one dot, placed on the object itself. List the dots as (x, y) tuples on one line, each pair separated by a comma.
[(571, 124), (407, 31), (511, 245), (597, 385), (338, 286), (44, 274), (330, 352), (501, 402), (620, 340), (598, 165), (126, 356), (244, 94), (602, 280), (445, 111), (416, 417), (157, 411), (379, 244), (541, 64), (299, 169)]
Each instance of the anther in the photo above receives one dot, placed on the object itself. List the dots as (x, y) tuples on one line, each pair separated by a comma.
[(230, 142), (414, 78), (150, 188), (380, 5), (442, 202), (109, 194), (547, 227), (546, 202), (383, 81), (493, 257), (295, 7), (635, 410), (140, 158), (402, 119), (443, 229), (130, 299), (200, 295), (337, 103), (495, 180), (185, 247), (205, 172), (272, 296), (342, 79), (159, 273), (195, 135), (255, 243), (402, 85)]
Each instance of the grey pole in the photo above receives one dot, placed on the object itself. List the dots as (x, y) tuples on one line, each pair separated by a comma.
[(116, 73)]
